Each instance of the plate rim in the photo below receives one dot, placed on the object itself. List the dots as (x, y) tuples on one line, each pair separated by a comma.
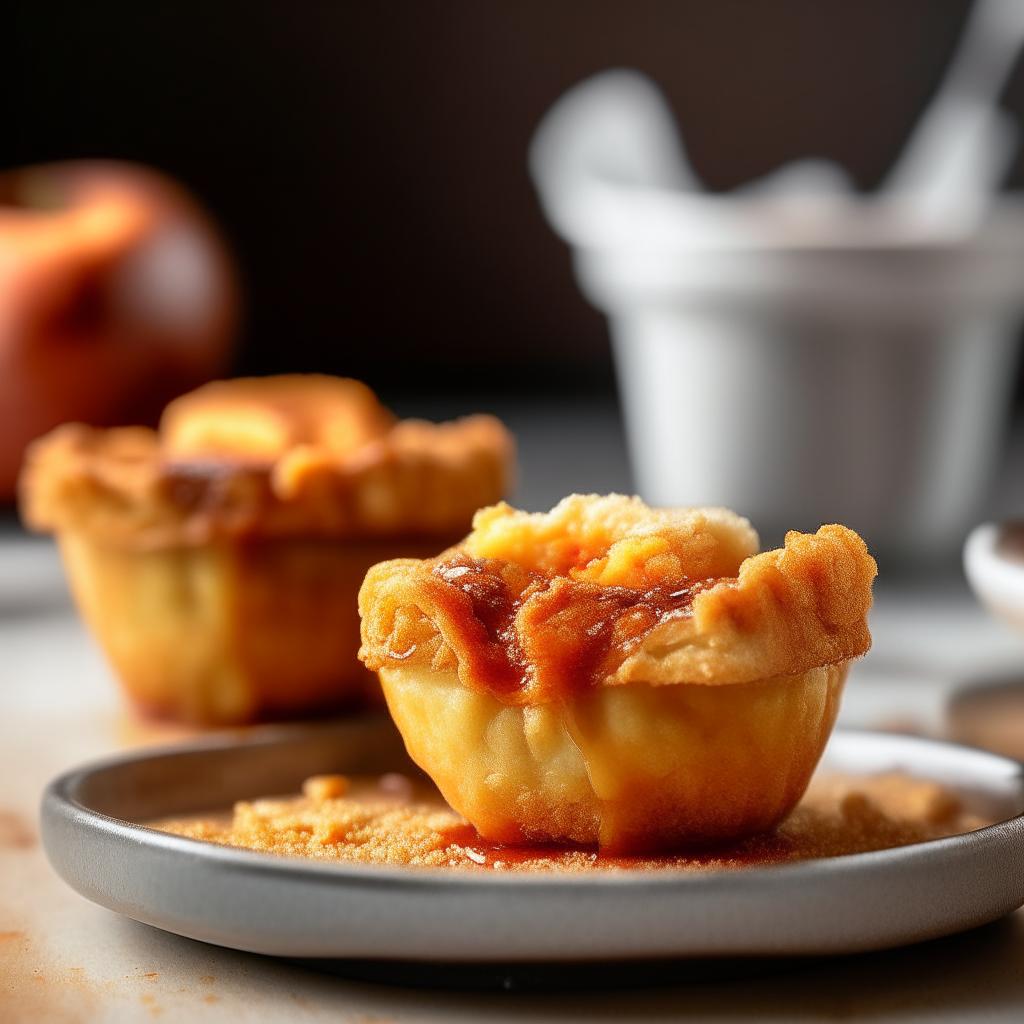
[(60, 792), (62, 810)]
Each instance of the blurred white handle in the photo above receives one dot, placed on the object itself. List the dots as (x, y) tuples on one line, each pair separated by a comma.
[(611, 171), (961, 148)]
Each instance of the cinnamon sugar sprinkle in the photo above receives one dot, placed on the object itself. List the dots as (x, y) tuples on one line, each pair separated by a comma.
[(400, 821)]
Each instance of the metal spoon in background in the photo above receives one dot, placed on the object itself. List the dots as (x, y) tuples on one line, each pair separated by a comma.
[(962, 146)]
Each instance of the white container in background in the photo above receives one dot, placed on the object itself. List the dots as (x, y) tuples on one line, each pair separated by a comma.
[(793, 352)]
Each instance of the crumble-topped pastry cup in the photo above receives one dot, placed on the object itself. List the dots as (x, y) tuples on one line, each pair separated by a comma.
[(218, 560), (609, 673)]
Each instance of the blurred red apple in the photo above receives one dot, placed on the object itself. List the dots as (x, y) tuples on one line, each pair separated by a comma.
[(116, 295)]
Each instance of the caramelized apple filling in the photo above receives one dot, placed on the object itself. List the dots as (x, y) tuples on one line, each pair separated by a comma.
[(527, 637)]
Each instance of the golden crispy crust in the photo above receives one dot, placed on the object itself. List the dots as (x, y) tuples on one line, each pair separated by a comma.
[(740, 617), (278, 457), (633, 769), (789, 610), (234, 632)]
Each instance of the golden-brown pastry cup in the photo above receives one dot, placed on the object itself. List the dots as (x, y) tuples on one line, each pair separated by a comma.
[(607, 673), (633, 768), (232, 631), (219, 559)]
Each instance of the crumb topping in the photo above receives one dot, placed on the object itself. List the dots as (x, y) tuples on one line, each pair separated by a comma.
[(394, 820)]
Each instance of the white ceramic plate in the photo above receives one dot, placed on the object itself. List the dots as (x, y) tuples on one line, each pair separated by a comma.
[(296, 908)]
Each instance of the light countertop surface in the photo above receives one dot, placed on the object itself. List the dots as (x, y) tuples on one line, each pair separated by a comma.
[(63, 958)]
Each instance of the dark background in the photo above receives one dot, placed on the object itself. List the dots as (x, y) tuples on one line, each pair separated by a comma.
[(368, 160)]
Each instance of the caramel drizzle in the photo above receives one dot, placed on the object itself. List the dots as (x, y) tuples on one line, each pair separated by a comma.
[(525, 636)]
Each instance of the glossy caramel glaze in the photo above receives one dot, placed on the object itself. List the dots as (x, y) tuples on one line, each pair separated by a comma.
[(515, 630)]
